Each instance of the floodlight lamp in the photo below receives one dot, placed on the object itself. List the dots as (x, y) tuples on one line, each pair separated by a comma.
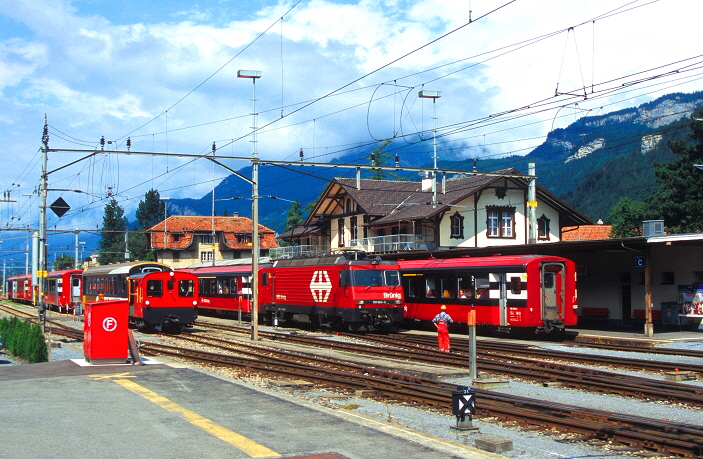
[(249, 74), (430, 94)]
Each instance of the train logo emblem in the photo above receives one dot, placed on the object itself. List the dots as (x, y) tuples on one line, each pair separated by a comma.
[(320, 286), (109, 324)]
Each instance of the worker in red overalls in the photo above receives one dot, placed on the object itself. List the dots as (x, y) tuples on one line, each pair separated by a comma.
[(441, 321)]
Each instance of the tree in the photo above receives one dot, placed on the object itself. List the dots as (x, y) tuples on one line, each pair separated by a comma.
[(150, 211), (679, 198), (111, 243), (64, 262), (382, 158), (295, 216), (626, 217)]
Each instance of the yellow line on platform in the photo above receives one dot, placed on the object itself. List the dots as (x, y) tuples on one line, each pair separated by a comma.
[(240, 442)]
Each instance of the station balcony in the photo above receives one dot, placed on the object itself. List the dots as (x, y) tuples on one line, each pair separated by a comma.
[(391, 244), (298, 251)]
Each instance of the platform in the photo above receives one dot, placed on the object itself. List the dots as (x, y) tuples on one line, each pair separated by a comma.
[(62, 409)]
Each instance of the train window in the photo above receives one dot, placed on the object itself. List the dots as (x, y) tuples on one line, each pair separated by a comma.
[(368, 278), (154, 288), (466, 287), (448, 287), (431, 288), (482, 287), (169, 285), (515, 285), (344, 278), (416, 286), (392, 278), (264, 279), (548, 280), (185, 288)]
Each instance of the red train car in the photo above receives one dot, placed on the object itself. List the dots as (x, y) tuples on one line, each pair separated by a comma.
[(159, 298), (333, 290), (19, 289), (63, 290), (509, 293), (224, 288)]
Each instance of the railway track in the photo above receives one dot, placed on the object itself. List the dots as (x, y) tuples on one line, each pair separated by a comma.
[(518, 367), (654, 435)]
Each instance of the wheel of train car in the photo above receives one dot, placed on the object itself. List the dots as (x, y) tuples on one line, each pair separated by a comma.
[(288, 318), (338, 324), (557, 334), (315, 322)]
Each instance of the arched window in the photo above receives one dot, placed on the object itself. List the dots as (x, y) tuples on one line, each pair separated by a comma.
[(457, 226), (543, 228)]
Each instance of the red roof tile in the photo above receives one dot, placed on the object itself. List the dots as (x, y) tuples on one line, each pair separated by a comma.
[(226, 229), (585, 232)]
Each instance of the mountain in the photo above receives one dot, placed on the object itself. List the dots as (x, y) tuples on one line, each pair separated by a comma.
[(590, 164)]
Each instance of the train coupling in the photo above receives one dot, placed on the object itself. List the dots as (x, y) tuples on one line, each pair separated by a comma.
[(171, 324), (378, 321)]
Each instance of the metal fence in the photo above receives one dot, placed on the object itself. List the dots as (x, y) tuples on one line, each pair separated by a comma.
[(391, 244)]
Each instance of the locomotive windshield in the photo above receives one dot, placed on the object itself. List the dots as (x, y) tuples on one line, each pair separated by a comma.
[(373, 278)]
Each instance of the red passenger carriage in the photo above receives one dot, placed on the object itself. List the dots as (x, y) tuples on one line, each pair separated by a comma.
[(508, 293), (19, 289), (224, 288), (63, 290)]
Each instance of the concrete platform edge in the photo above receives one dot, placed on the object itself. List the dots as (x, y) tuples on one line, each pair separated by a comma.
[(360, 419)]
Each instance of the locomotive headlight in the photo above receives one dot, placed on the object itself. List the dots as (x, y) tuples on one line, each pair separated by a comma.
[(398, 302), (171, 274), (195, 303), (147, 302)]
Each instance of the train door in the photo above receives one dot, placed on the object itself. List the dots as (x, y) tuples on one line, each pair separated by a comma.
[(132, 294), (75, 294), (498, 280), (553, 292)]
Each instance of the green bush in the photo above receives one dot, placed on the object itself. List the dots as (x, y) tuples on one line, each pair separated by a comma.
[(24, 340)]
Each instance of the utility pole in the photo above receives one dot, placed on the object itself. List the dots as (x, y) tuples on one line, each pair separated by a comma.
[(254, 75), (75, 257), (532, 205), (42, 271)]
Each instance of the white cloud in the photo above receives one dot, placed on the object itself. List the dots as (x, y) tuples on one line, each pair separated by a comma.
[(94, 76)]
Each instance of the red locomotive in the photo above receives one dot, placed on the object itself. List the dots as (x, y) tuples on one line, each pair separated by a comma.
[(508, 293), (333, 290), (159, 298)]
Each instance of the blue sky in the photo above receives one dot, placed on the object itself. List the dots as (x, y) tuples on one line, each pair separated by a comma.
[(164, 75)]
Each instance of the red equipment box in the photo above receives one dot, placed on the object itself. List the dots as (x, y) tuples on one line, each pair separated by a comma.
[(105, 331)]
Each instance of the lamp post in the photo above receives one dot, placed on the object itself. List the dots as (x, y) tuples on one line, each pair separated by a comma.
[(434, 95), (164, 199), (254, 75)]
